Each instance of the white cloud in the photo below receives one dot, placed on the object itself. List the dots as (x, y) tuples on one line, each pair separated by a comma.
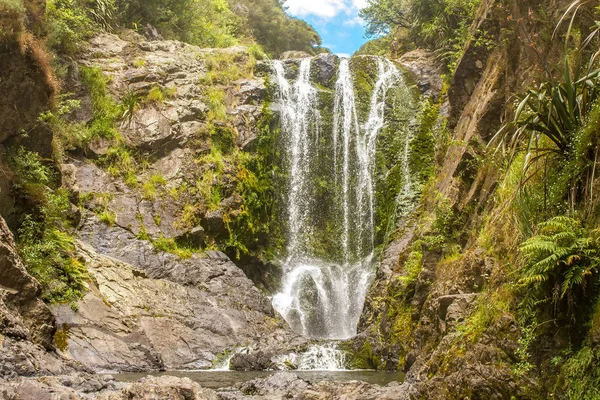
[(343, 55), (356, 20), (321, 8), (359, 4), (325, 9)]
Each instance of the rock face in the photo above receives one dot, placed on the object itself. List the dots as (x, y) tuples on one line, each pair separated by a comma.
[(26, 324), (147, 309), (160, 311), (424, 65)]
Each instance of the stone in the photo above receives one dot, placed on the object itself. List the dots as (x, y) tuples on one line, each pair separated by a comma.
[(325, 67), (256, 361), (177, 314), (193, 238), (427, 70), (167, 387), (213, 223), (251, 91), (289, 55)]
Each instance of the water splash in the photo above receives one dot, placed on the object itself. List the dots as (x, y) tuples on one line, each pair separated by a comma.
[(324, 298), (223, 363), (318, 357)]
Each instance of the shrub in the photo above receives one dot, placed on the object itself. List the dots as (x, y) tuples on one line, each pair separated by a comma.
[(48, 251), (68, 25)]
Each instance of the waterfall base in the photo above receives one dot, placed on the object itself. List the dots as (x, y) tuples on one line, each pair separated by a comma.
[(324, 300)]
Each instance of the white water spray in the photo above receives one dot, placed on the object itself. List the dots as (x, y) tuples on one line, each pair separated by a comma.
[(324, 298)]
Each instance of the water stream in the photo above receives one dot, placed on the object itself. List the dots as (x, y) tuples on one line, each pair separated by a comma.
[(331, 184)]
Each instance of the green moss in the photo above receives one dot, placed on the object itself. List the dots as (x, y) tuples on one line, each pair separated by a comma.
[(365, 358), (61, 337)]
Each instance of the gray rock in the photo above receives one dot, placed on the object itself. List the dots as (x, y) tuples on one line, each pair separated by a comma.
[(325, 68), (256, 361), (290, 55), (287, 385), (160, 311), (427, 70), (251, 91)]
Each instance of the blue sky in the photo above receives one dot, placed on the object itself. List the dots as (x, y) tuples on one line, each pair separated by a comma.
[(336, 21)]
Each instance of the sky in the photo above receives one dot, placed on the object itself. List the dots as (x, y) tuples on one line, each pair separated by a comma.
[(337, 21)]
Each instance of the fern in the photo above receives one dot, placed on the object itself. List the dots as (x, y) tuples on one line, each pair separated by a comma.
[(563, 257)]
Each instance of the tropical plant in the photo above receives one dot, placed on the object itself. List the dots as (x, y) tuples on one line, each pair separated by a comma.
[(554, 111), (561, 261), (130, 102)]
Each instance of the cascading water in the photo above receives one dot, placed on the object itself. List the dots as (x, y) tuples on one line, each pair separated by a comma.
[(323, 292)]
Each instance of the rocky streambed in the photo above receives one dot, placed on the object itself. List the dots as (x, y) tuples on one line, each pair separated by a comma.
[(277, 386)]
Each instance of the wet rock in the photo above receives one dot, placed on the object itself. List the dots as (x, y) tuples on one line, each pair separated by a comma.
[(325, 68), (256, 361)]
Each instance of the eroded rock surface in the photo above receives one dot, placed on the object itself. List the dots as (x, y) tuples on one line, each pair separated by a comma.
[(163, 312)]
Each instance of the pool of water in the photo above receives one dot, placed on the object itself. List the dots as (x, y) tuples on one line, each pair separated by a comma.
[(223, 379)]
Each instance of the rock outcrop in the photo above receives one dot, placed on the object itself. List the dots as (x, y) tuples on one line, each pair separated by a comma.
[(26, 324), (158, 311)]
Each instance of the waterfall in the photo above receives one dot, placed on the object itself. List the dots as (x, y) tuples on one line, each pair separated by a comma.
[(324, 288)]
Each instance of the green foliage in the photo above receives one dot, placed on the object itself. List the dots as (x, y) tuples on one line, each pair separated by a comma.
[(68, 24), (169, 245), (276, 31), (157, 95), (441, 25), (106, 112), (150, 187), (130, 102), (365, 358), (108, 217), (216, 104), (226, 67), (489, 308), (376, 47), (46, 247), (384, 15), (554, 111), (561, 261), (119, 161), (206, 23), (580, 375), (29, 169), (254, 228)]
